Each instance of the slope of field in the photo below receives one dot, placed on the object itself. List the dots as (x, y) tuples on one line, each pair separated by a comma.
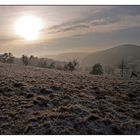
[(45, 101)]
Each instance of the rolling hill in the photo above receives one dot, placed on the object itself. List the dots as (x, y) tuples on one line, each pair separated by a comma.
[(113, 56), (69, 56)]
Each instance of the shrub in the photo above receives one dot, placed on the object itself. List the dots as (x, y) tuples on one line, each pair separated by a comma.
[(97, 69), (71, 66), (7, 58), (51, 65)]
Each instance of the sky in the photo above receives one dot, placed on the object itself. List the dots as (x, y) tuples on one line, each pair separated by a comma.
[(70, 28)]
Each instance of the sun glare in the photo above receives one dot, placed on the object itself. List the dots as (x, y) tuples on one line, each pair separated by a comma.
[(28, 27)]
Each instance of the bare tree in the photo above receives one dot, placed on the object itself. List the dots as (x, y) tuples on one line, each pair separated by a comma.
[(123, 66)]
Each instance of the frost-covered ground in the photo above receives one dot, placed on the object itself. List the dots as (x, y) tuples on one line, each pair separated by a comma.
[(45, 101)]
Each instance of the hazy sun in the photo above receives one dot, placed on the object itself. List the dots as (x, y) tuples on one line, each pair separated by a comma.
[(28, 27)]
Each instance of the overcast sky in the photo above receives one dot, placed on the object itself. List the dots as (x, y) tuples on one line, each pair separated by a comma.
[(71, 28)]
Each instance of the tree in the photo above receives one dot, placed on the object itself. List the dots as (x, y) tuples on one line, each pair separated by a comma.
[(25, 60), (71, 65), (97, 69), (10, 58), (7, 58), (123, 66), (51, 66), (31, 59)]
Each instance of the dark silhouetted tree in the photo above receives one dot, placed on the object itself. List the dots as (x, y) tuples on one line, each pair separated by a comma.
[(71, 66), (97, 69), (25, 60), (123, 66), (7, 58)]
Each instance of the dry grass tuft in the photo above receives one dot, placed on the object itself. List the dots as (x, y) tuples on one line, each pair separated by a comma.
[(45, 101)]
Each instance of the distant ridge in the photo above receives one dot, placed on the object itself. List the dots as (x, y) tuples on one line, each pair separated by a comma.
[(114, 55), (69, 56)]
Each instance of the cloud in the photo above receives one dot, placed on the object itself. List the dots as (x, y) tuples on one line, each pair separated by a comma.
[(70, 28), (105, 21), (79, 26), (8, 39), (78, 36), (105, 16), (95, 40)]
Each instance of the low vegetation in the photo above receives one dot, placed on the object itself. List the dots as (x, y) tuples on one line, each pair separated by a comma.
[(71, 66), (125, 69), (37, 100), (97, 69), (7, 58)]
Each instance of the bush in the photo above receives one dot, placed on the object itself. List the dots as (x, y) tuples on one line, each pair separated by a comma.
[(7, 58), (51, 65), (71, 66), (97, 69)]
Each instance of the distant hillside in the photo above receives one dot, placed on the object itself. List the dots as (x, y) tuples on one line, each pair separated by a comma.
[(69, 56), (113, 56)]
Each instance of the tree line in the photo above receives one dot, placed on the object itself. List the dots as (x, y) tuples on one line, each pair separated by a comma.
[(97, 69), (39, 62)]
